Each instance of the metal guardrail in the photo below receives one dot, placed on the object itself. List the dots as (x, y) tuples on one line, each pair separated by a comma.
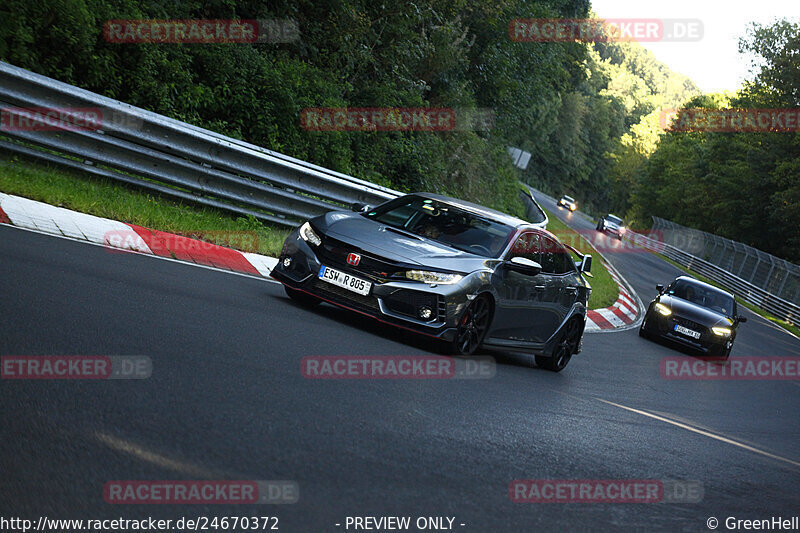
[(773, 274), (744, 289), (169, 157)]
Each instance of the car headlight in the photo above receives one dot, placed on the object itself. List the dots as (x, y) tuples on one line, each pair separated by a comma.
[(622, 230), (663, 309), (433, 277), (722, 332), (308, 235)]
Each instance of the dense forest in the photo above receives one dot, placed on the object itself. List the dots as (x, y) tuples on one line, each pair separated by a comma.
[(588, 113)]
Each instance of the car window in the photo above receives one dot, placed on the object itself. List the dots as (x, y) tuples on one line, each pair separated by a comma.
[(703, 296), (444, 223), (615, 220), (555, 258), (527, 245)]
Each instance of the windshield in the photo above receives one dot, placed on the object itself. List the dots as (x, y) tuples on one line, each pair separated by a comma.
[(616, 220), (569, 198), (444, 223), (703, 296)]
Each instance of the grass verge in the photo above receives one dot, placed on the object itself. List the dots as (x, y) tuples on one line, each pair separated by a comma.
[(604, 289), (106, 198)]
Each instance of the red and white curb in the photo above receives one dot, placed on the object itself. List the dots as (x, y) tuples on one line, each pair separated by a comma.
[(621, 314), (53, 220)]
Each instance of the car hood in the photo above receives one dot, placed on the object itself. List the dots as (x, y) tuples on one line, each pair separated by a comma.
[(695, 312), (382, 240)]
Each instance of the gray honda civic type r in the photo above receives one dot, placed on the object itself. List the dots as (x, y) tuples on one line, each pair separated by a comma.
[(462, 273)]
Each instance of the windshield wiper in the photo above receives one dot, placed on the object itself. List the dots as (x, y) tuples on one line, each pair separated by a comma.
[(403, 232)]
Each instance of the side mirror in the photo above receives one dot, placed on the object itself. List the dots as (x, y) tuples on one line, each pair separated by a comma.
[(358, 207), (660, 288), (586, 264), (740, 319), (524, 266)]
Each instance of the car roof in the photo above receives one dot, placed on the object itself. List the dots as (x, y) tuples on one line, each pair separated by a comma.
[(704, 285), (485, 212), (568, 198)]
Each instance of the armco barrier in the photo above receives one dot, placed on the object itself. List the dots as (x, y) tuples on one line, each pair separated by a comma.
[(167, 156)]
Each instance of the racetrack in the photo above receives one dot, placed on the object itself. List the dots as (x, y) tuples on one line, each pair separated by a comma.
[(226, 400)]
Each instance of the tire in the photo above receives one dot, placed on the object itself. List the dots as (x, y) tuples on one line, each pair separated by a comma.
[(472, 327), (566, 345), (642, 330), (600, 226), (302, 298)]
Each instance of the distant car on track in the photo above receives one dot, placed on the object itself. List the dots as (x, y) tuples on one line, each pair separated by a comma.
[(568, 202), (613, 225), (694, 314), (446, 268)]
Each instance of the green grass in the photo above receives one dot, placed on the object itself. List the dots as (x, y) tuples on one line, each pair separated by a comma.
[(105, 198), (604, 289), (757, 310)]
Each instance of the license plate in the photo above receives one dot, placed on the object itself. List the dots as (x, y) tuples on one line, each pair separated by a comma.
[(688, 332), (345, 281)]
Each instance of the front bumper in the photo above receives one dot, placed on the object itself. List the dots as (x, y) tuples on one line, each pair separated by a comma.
[(394, 302), (709, 343)]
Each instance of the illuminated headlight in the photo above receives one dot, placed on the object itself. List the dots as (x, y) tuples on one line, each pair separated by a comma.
[(308, 235), (663, 309), (622, 230), (433, 277), (572, 208), (722, 332)]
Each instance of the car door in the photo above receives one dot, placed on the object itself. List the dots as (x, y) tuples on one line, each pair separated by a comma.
[(520, 296), (559, 293)]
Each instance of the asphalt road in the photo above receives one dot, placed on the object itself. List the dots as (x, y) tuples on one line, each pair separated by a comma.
[(226, 400)]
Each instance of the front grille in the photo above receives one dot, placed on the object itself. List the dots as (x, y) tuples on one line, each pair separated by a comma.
[(334, 253), (407, 302), (343, 296), (691, 324)]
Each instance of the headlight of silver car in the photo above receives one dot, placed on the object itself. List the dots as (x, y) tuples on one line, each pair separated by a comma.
[(433, 277), (308, 235)]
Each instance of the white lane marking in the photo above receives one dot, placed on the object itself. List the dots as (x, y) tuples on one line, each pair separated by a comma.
[(703, 432), (157, 459), (178, 261)]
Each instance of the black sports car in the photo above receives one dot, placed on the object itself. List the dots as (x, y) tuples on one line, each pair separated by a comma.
[(694, 314), (446, 268)]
